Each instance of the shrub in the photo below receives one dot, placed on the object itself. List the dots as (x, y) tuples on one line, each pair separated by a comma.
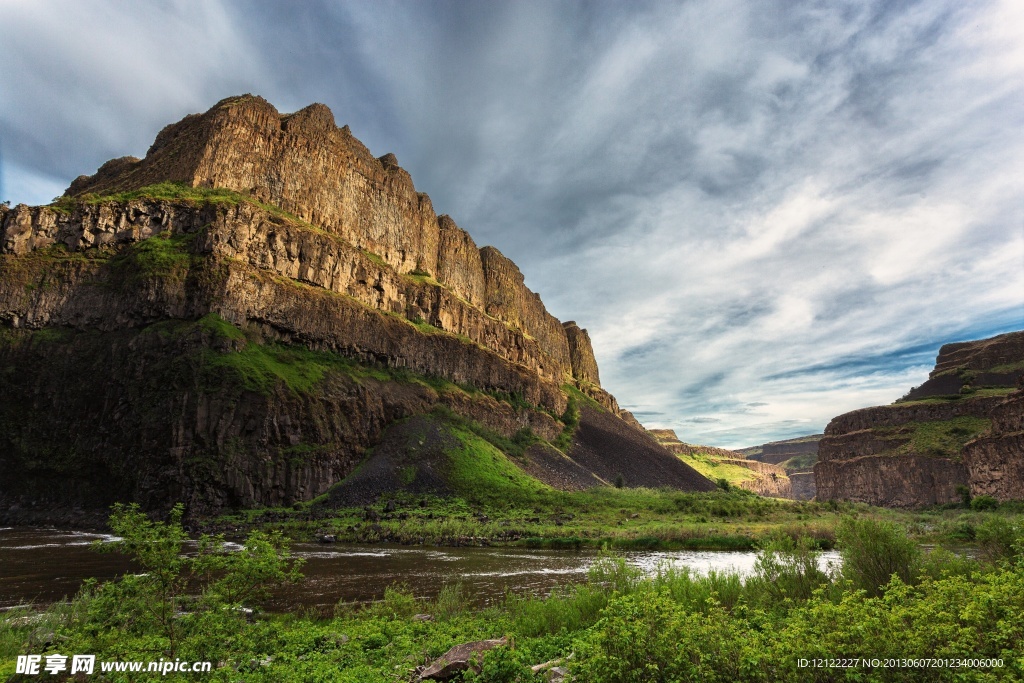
[(159, 610), (996, 538), (984, 503), (873, 551), (788, 569)]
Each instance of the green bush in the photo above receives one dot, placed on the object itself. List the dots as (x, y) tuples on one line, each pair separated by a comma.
[(874, 551), (996, 538), (787, 569), (984, 503)]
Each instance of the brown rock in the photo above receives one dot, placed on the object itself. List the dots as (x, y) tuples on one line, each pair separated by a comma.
[(458, 659), (868, 455), (581, 354)]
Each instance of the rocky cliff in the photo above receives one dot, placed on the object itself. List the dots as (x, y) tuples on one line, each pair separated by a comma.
[(796, 457), (236, 319), (961, 428)]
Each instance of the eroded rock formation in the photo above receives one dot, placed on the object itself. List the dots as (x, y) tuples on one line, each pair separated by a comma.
[(961, 428), (195, 341)]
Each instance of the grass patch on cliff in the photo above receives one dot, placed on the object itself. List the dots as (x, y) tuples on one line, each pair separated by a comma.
[(177, 192), (938, 438), (161, 256)]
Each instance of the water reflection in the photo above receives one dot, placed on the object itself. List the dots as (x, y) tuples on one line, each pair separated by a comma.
[(42, 566)]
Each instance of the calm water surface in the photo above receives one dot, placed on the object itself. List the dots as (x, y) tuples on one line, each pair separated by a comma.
[(41, 566)]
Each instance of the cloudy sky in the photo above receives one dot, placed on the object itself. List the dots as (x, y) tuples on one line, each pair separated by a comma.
[(766, 213)]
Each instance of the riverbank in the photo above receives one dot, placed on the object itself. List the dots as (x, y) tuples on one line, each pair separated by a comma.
[(608, 518), (605, 518), (942, 617)]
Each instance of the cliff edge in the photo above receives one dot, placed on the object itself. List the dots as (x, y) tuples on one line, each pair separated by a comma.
[(238, 318), (961, 428)]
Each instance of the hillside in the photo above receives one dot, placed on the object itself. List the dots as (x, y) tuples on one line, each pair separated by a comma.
[(239, 318), (719, 464), (959, 430)]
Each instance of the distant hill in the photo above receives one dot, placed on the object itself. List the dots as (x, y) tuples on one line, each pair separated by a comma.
[(796, 456), (718, 464)]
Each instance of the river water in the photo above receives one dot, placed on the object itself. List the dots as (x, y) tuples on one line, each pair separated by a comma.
[(39, 566)]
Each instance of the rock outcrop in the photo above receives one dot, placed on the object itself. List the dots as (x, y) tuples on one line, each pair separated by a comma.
[(236, 319), (962, 428), (796, 457)]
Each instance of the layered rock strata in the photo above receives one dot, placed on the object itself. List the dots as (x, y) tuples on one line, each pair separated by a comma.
[(941, 437), (320, 173), (210, 341)]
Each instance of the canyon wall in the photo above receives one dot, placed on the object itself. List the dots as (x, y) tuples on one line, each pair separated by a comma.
[(235, 320), (961, 429)]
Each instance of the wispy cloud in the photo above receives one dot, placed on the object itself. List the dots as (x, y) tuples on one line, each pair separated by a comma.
[(765, 213)]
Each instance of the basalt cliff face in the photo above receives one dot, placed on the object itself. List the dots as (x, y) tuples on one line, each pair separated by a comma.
[(961, 428), (237, 319)]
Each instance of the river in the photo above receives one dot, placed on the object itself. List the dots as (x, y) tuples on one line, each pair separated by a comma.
[(40, 566)]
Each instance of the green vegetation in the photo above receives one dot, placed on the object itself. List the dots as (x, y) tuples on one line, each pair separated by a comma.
[(181, 192), (800, 462), (941, 438), (714, 469), (484, 474), (161, 256), (619, 626), (968, 392)]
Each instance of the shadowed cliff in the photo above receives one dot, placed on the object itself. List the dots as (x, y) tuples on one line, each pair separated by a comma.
[(238, 318)]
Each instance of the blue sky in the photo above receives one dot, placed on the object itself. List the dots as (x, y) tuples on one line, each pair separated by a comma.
[(765, 213)]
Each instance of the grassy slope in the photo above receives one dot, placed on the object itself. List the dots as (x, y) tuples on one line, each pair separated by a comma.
[(714, 469)]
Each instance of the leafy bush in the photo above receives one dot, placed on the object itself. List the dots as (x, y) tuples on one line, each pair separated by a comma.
[(874, 551), (158, 611), (787, 569), (984, 503), (997, 537)]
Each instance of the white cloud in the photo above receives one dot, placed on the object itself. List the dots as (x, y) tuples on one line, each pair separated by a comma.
[(788, 204)]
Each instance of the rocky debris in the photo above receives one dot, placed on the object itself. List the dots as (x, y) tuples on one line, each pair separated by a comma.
[(458, 659), (556, 469), (612, 449), (871, 455)]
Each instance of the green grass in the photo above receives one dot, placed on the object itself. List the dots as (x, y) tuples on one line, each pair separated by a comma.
[(161, 256), (800, 462), (483, 474), (714, 469), (939, 438), (178, 192)]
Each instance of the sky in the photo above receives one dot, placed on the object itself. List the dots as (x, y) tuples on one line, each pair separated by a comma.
[(765, 213)]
